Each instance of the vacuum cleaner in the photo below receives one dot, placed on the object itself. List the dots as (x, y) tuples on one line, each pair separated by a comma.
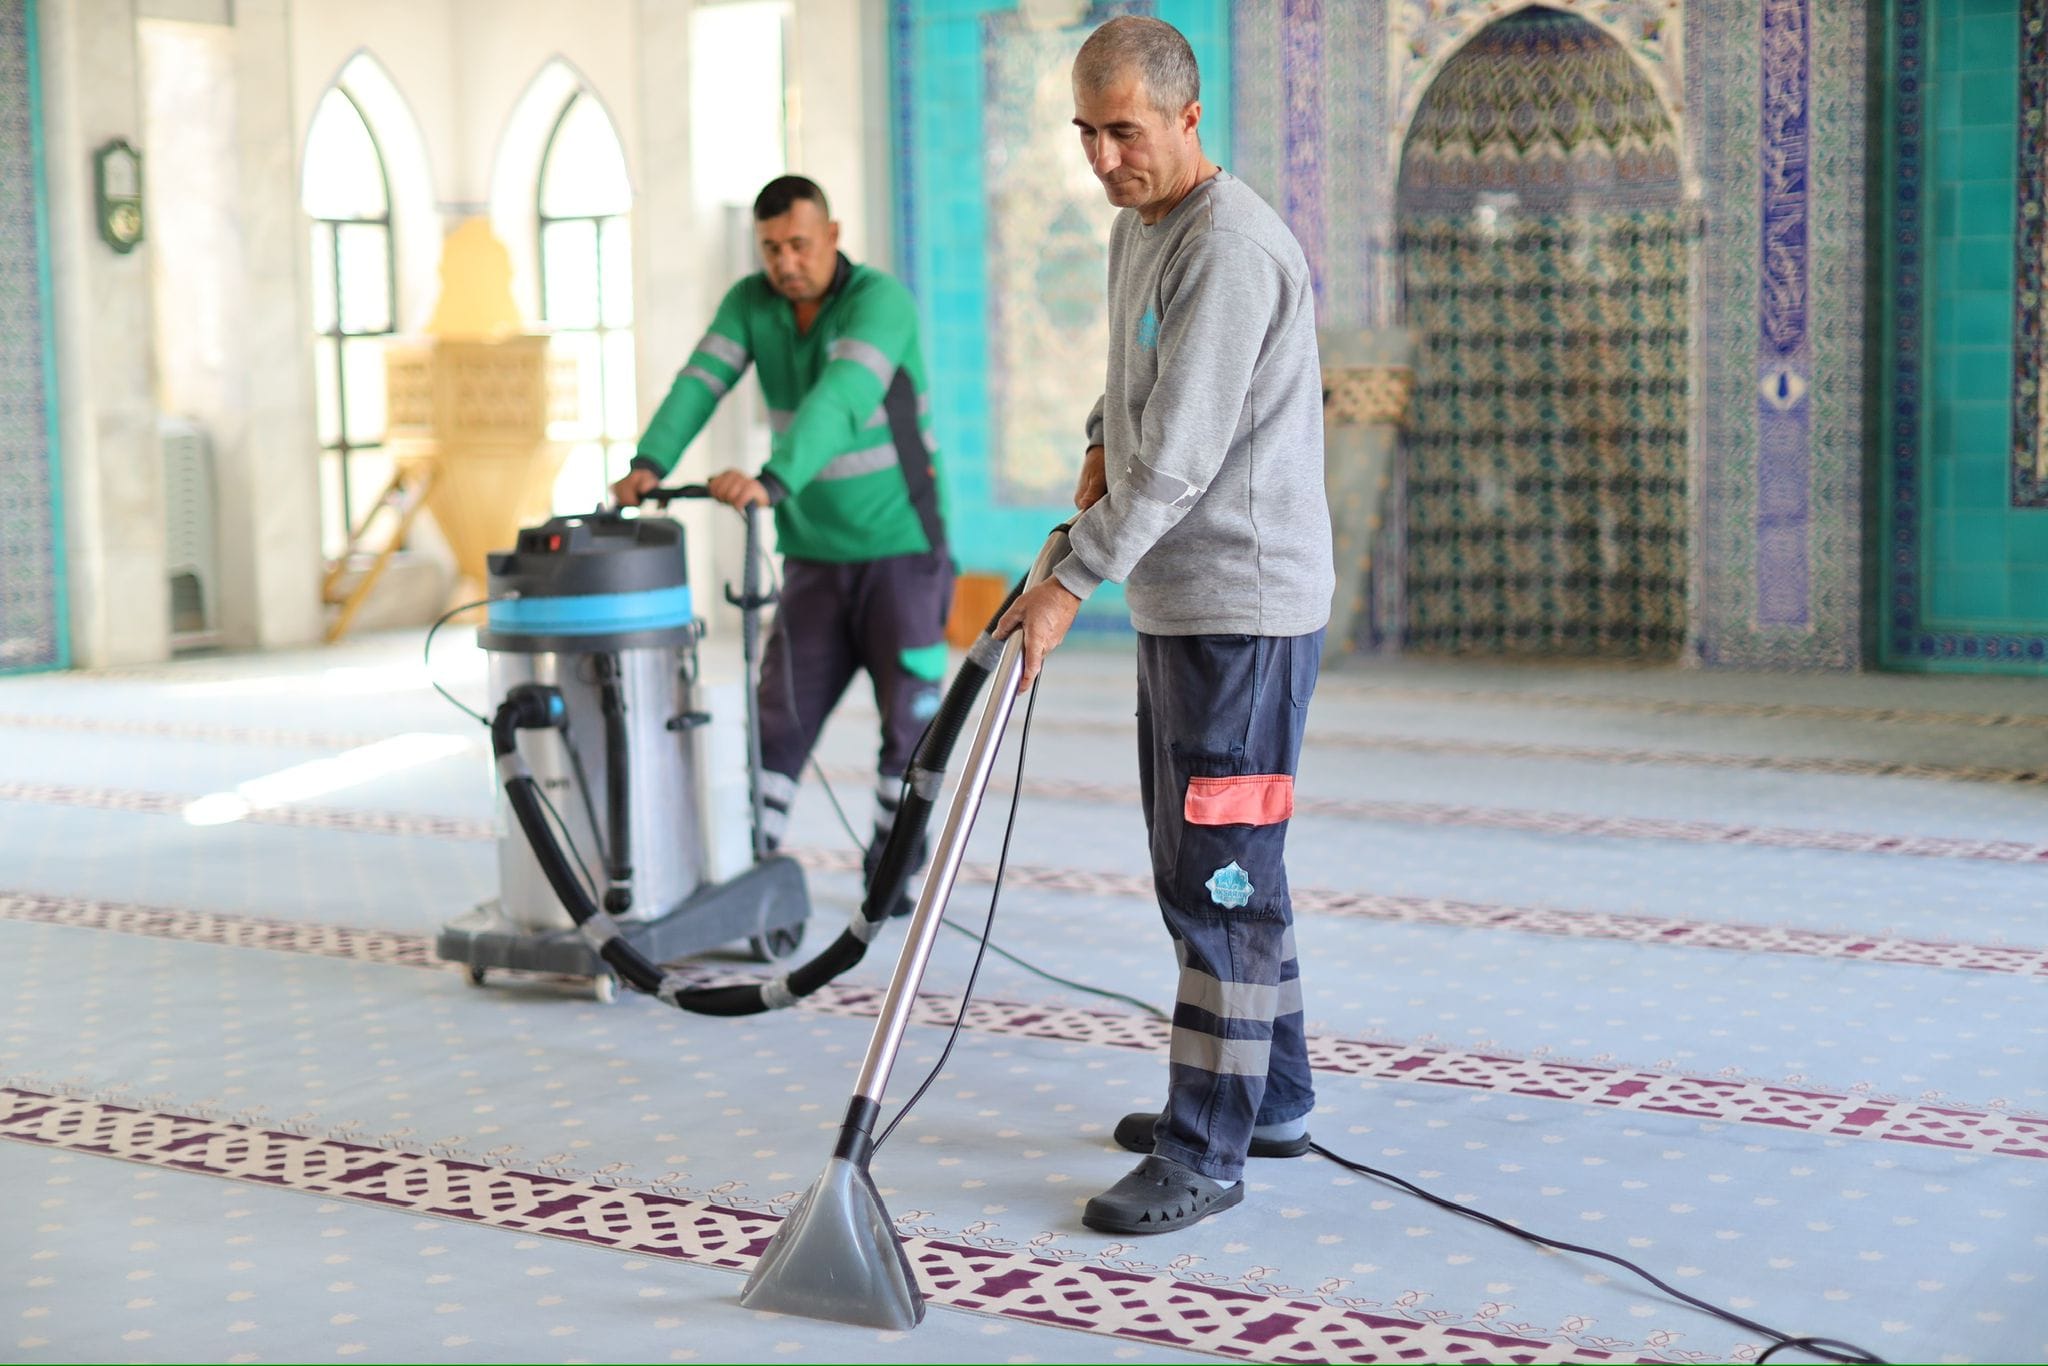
[(594, 661), (591, 631)]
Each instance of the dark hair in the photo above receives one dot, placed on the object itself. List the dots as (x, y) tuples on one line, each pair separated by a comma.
[(779, 194)]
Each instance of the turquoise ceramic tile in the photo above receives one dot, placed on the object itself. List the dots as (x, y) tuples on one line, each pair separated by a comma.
[(1985, 593), (1942, 603), (1978, 538), (2028, 592), (1985, 208), (1979, 317), (1987, 153), (1982, 263), (1987, 43), (1977, 374), (1977, 427), (1977, 486), (1988, 102), (1941, 420), (1945, 257), (1945, 154), (2026, 536), (1945, 105)]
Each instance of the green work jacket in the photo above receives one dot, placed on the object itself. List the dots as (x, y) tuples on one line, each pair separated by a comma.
[(853, 465)]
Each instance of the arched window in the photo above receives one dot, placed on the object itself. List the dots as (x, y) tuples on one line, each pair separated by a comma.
[(354, 308), (586, 290)]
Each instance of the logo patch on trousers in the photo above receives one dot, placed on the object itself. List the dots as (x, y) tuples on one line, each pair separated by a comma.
[(925, 705), (1229, 886)]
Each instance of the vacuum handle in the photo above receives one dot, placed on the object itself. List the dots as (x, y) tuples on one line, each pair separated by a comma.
[(664, 496), (750, 602)]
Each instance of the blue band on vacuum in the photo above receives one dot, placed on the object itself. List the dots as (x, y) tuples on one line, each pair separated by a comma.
[(594, 614)]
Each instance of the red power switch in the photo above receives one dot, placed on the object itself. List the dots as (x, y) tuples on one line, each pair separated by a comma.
[(555, 542)]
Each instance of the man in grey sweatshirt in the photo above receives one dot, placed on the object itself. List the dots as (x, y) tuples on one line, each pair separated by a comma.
[(1202, 492)]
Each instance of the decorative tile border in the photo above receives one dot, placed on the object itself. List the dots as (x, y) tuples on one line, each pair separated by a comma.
[(2030, 270), (1105, 1300), (1784, 448), (34, 625), (1720, 1099), (1780, 447), (904, 156), (1301, 67)]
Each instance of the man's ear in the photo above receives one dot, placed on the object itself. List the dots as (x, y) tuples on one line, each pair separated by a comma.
[(1191, 117)]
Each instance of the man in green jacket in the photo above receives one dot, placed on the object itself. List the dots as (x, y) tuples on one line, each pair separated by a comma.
[(852, 476)]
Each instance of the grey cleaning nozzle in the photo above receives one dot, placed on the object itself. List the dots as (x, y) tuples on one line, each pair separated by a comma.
[(837, 1257)]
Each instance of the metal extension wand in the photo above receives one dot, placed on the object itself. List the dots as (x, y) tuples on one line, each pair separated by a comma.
[(837, 1255)]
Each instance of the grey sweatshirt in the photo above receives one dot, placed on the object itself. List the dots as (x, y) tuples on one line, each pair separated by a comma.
[(1212, 426)]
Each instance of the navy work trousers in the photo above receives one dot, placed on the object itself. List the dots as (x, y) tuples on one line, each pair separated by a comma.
[(885, 616), (1220, 721)]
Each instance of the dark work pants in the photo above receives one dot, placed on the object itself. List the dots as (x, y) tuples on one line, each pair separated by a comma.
[(887, 617), (1220, 722)]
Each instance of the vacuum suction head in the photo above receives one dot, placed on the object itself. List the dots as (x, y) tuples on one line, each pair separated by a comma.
[(837, 1257)]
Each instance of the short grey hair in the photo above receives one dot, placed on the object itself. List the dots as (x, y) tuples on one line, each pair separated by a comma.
[(1152, 48)]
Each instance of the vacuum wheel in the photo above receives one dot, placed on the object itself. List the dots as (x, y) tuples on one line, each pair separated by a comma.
[(777, 944), (605, 988)]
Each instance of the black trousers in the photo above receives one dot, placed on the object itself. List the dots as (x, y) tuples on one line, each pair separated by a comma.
[(1220, 724), (886, 617)]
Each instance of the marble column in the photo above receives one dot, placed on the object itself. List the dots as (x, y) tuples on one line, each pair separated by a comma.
[(112, 461), (272, 502), (230, 294)]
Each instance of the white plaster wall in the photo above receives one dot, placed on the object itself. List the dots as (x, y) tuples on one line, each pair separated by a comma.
[(869, 110), (499, 47), (112, 465), (412, 39), (827, 135)]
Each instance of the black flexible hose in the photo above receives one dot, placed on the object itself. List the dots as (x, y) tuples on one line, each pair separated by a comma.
[(618, 897), (535, 706)]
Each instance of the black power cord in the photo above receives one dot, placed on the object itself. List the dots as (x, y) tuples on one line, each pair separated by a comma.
[(427, 654), (1828, 1349)]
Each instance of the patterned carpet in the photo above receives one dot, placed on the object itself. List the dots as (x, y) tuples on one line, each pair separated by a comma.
[(1738, 976)]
